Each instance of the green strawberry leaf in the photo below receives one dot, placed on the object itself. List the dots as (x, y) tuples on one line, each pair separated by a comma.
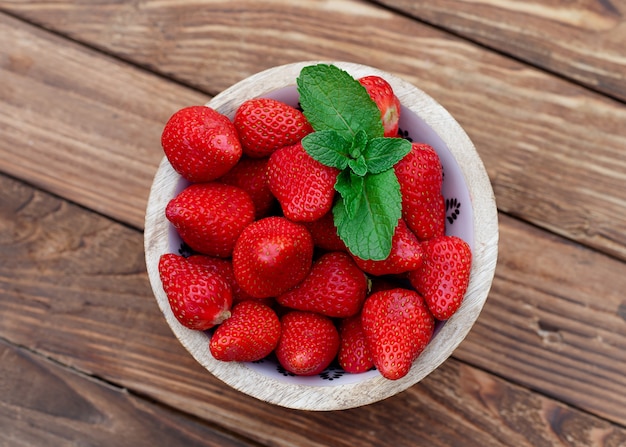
[(383, 153), (368, 229), (328, 147), (332, 99)]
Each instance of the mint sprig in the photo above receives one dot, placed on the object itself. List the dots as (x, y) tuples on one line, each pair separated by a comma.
[(349, 136), (333, 100)]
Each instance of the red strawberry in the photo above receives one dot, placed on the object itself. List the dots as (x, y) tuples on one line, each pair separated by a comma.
[(324, 233), (420, 176), (382, 94), (397, 326), (354, 355), (444, 275), (250, 174), (209, 217), (406, 254), (225, 268), (250, 334), (265, 124), (271, 256), (308, 344), (200, 143), (426, 214), (199, 298), (304, 187), (335, 287)]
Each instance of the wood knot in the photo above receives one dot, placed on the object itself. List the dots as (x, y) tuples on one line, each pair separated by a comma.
[(549, 333)]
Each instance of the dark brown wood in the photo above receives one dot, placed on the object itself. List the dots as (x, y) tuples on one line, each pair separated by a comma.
[(534, 131), (99, 317), (582, 40), (44, 403)]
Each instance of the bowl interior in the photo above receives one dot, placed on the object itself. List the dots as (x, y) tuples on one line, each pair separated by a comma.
[(470, 214), (459, 223)]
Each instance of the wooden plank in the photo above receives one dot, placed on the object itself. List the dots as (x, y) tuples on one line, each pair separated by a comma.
[(555, 320), (43, 403), (79, 124), (73, 288), (554, 151), (582, 41)]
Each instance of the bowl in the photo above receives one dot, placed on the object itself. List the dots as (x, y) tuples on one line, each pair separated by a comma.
[(470, 214)]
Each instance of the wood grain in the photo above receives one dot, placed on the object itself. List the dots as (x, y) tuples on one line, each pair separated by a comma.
[(81, 125), (556, 327), (553, 151), (63, 297), (44, 403), (582, 40)]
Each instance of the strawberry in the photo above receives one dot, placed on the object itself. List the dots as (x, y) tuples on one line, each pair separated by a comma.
[(388, 103), (200, 143), (420, 176), (265, 124), (397, 327), (209, 217), (354, 355), (324, 233), (335, 287), (271, 256), (425, 214), (308, 343), (406, 254), (444, 275), (250, 174), (304, 187), (225, 268), (199, 297), (250, 334)]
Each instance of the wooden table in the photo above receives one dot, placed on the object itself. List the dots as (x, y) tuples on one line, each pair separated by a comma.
[(86, 357)]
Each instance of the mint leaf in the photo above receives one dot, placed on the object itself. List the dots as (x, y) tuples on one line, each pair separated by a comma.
[(332, 99), (358, 166), (358, 144), (350, 187), (328, 147), (368, 229), (383, 153)]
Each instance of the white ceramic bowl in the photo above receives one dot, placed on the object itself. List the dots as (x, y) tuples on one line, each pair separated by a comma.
[(471, 214)]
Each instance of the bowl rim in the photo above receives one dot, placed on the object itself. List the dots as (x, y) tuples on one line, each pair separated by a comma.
[(453, 332)]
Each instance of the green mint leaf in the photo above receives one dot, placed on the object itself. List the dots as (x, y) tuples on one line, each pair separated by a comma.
[(369, 229), (328, 147), (383, 153), (358, 144), (358, 166), (350, 187), (332, 99)]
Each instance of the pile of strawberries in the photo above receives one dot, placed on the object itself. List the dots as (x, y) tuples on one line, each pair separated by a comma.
[(269, 273)]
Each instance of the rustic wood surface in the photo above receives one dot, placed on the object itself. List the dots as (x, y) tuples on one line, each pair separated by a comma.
[(533, 31), (86, 357)]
